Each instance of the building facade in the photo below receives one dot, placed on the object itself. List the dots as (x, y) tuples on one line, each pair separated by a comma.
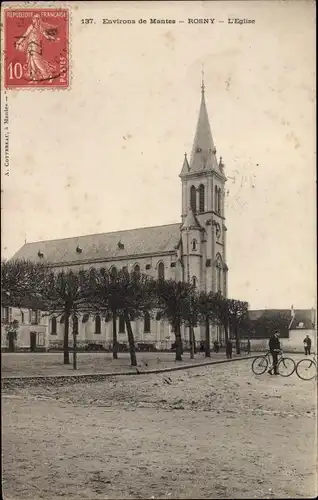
[(192, 250)]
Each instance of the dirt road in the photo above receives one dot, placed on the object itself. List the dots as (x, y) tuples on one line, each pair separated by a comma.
[(212, 432)]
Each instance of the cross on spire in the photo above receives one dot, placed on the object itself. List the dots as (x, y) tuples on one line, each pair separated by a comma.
[(202, 80)]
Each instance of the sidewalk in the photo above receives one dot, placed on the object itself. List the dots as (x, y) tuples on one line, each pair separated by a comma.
[(79, 376)]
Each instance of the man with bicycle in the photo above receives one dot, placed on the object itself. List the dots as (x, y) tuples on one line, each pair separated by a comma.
[(274, 347)]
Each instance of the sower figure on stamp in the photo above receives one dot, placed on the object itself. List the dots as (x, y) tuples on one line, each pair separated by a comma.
[(274, 347), (307, 344), (37, 69)]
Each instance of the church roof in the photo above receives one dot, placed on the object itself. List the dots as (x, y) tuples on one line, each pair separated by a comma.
[(104, 246), (303, 319)]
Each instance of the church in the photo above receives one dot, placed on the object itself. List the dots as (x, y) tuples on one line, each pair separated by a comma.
[(193, 249)]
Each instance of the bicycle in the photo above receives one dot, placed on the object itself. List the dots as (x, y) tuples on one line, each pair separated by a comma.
[(306, 368), (285, 366)]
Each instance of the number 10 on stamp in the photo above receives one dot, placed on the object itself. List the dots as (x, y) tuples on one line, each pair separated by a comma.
[(36, 48)]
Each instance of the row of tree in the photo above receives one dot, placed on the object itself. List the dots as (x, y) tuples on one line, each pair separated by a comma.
[(73, 295)]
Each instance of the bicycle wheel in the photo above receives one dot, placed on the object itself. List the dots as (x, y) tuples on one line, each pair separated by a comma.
[(260, 365), (286, 367), (306, 369)]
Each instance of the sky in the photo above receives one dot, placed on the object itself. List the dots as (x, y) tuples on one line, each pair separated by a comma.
[(106, 154)]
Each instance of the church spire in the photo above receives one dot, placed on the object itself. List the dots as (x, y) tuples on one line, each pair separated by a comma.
[(202, 81), (185, 166), (203, 150)]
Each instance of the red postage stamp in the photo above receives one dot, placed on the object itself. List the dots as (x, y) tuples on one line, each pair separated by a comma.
[(36, 48)]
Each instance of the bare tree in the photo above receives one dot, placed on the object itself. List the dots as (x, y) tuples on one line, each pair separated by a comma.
[(65, 294), (173, 305), (238, 312)]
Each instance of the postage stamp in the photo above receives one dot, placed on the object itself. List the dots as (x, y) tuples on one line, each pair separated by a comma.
[(36, 48)]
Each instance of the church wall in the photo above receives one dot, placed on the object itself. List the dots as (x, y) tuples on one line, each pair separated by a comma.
[(153, 261), (160, 331)]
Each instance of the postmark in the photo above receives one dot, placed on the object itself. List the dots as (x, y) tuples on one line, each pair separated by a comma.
[(36, 48)]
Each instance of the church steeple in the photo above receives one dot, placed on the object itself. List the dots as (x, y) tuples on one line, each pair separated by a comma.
[(203, 155)]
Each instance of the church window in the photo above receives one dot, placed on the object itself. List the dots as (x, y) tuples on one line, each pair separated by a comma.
[(194, 244), (193, 199), (201, 198), (216, 198), (137, 270), (194, 281), (113, 272), (161, 271), (219, 201), (53, 326), (147, 323), (97, 324), (219, 266), (219, 279), (121, 324)]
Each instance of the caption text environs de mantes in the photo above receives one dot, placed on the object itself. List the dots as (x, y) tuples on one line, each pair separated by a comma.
[(193, 20)]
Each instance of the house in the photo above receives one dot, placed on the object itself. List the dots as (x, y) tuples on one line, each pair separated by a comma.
[(293, 324)]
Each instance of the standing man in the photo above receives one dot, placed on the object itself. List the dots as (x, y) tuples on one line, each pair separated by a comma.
[(307, 345), (228, 349), (248, 346), (274, 347)]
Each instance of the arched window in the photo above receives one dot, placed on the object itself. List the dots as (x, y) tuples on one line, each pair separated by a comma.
[(147, 326), (201, 198), (121, 324), (219, 267), (97, 324), (161, 271), (113, 271), (193, 199), (53, 326), (194, 244), (216, 198), (75, 325), (137, 270), (219, 279), (194, 281), (219, 200)]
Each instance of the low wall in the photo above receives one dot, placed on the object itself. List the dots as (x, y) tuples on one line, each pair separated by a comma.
[(294, 343)]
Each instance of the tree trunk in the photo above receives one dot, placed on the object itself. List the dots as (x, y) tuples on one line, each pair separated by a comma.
[(66, 332), (177, 330), (115, 343), (74, 351), (207, 338), (131, 341), (237, 340), (191, 338), (194, 341), (226, 331)]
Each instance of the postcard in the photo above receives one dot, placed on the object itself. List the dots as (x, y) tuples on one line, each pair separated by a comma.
[(173, 140)]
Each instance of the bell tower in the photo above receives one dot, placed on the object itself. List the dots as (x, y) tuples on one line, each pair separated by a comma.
[(203, 182)]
